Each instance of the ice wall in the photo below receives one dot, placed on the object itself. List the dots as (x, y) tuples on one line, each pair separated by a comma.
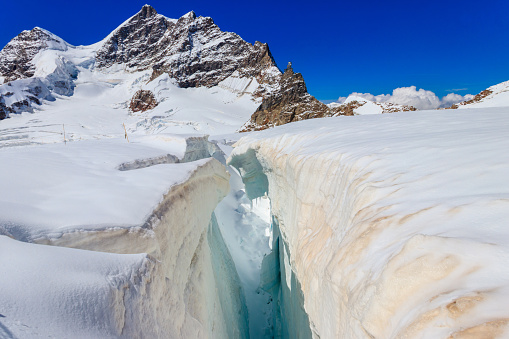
[(394, 227), (184, 296), (245, 226), (286, 316)]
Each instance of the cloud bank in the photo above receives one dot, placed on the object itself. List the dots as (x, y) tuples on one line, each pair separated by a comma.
[(420, 99)]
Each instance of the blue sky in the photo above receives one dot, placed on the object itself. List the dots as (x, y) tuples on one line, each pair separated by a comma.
[(339, 46)]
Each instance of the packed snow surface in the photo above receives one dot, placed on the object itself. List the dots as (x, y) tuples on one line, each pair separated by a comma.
[(99, 109), (78, 185), (395, 224), (60, 292)]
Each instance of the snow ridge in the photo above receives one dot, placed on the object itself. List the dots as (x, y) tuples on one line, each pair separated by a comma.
[(394, 224)]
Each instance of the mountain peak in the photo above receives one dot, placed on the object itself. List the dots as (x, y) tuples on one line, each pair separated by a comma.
[(189, 15), (16, 57), (146, 11), (289, 69)]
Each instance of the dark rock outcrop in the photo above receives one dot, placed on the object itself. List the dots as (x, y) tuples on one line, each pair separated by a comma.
[(346, 109), (142, 101), (4, 109), (291, 102)]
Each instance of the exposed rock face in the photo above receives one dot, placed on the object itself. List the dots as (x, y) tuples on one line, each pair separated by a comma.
[(142, 100), (16, 57), (23, 87), (350, 107), (388, 107), (478, 98), (192, 50), (4, 110), (346, 109), (291, 103)]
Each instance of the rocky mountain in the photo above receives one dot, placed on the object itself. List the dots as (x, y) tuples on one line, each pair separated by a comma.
[(354, 105), (494, 96), (17, 57), (27, 77), (290, 103), (192, 50)]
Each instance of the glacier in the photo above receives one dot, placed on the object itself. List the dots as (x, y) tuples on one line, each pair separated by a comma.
[(162, 223), (389, 226)]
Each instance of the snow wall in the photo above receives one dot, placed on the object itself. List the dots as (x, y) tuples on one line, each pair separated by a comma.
[(185, 286), (369, 251)]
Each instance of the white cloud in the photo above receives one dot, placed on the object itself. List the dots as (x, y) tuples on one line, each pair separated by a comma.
[(456, 89), (420, 99), (341, 100), (453, 98)]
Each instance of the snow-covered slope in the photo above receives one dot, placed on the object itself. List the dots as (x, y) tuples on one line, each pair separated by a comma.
[(494, 96), (87, 172), (36, 66), (387, 226), (60, 292), (18, 57), (100, 104)]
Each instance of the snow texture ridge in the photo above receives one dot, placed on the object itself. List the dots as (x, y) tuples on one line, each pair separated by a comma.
[(394, 224)]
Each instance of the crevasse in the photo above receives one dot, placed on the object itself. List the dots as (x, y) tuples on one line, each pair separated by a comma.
[(286, 316)]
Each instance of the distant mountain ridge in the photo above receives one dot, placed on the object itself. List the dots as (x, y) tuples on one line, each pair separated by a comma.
[(494, 96), (38, 66), (192, 50)]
